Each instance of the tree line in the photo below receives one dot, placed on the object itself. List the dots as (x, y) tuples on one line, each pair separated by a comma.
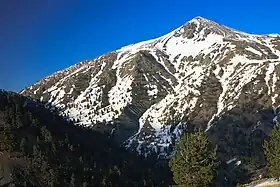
[(40, 148), (43, 149)]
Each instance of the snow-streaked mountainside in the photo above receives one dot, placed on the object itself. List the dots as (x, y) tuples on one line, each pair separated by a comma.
[(201, 75)]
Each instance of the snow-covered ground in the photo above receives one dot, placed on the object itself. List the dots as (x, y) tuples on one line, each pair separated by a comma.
[(266, 183), (188, 55)]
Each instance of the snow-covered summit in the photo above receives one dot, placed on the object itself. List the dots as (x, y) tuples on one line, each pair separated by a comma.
[(201, 75)]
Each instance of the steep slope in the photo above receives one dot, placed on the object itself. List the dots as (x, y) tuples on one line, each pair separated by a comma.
[(39, 148), (201, 75)]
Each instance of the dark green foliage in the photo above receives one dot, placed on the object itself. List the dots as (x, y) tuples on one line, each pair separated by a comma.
[(240, 134), (194, 164), (272, 152), (44, 150)]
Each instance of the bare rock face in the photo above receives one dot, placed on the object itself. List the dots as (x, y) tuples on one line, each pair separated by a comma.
[(201, 75)]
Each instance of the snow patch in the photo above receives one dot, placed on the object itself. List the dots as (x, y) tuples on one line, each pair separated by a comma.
[(231, 160)]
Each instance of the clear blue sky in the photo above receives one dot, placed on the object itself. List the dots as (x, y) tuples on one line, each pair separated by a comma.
[(39, 37)]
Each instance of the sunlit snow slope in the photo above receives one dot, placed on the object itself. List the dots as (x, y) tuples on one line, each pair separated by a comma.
[(147, 93)]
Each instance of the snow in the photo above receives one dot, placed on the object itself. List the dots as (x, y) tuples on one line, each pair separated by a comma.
[(120, 94), (191, 47), (61, 94), (136, 46), (273, 88), (270, 80), (274, 35), (238, 163), (184, 85), (71, 91), (254, 51), (153, 91), (268, 182), (247, 70), (160, 60), (270, 70), (35, 92), (153, 114), (231, 160)]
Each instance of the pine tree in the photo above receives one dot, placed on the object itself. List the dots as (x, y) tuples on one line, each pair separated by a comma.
[(22, 145), (195, 163), (84, 184), (73, 180), (272, 152)]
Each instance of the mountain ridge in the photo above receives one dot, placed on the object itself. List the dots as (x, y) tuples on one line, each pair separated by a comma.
[(275, 35), (201, 75)]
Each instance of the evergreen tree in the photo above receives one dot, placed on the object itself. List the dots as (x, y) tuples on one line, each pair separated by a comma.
[(22, 144), (73, 181), (195, 163), (84, 184), (272, 152), (50, 151)]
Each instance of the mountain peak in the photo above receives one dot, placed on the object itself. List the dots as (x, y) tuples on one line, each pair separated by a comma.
[(201, 27), (201, 19), (202, 75), (200, 24)]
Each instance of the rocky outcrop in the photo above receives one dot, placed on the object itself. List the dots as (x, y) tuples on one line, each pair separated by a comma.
[(201, 75)]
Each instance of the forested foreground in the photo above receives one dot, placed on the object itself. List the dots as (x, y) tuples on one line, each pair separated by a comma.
[(39, 148)]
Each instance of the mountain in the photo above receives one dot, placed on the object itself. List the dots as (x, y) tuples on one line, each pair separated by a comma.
[(39, 148), (201, 75)]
